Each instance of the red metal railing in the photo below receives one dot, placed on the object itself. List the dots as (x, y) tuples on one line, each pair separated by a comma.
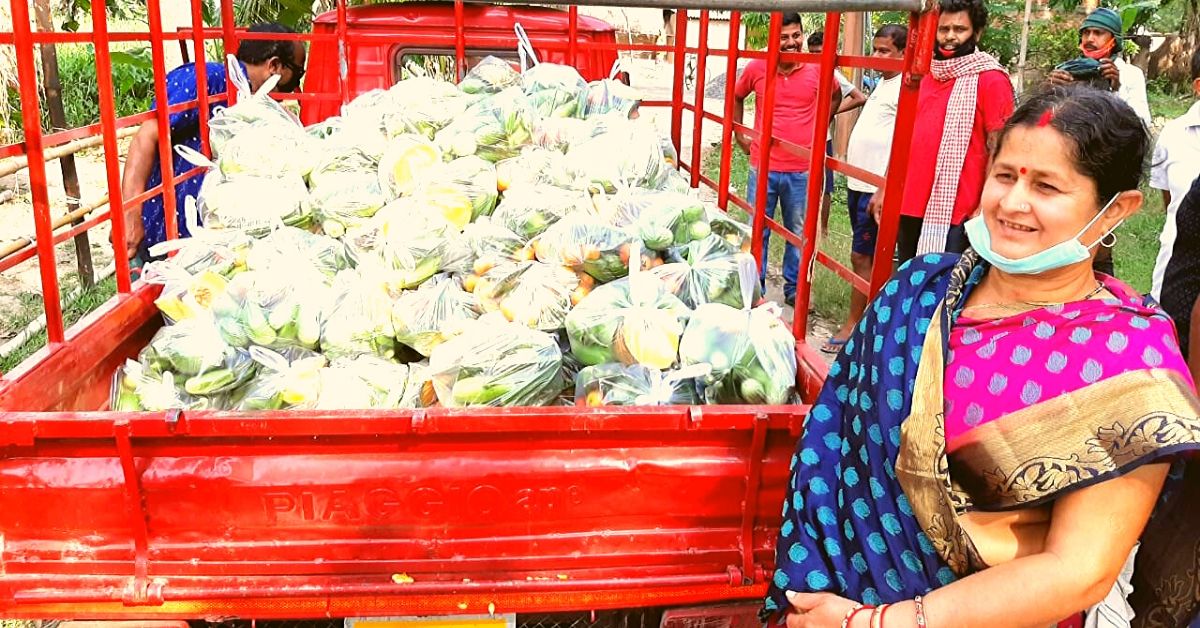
[(24, 40), (753, 442)]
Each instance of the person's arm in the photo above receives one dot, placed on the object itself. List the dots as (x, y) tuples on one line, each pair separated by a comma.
[(852, 97), (875, 205), (1130, 86), (1069, 575), (742, 89), (739, 112), (1193, 356), (1060, 77), (1110, 72), (996, 101), (835, 102), (138, 163), (852, 101)]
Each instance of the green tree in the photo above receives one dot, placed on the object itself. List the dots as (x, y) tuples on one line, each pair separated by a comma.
[(296, 14)]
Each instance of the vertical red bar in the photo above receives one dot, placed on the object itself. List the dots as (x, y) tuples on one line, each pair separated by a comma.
[(765, 139), (681, 25), (735, 25), (460, 40), (108, 128), (816, 174), (229, 37), (917, 57), (698, 114), (201, 73), (572, 34), (27, 79), (344, 60), (165, 161)]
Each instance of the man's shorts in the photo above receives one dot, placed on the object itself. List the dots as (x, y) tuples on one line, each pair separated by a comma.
[(828, 172), (862, 223)]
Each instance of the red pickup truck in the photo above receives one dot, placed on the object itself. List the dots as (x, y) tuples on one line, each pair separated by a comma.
[(482, 515), (385, 40)]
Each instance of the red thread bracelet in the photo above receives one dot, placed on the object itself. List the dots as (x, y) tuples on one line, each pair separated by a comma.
[(850, 617), (883, 614)]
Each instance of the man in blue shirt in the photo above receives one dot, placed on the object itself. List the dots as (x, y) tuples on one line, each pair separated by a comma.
[(145, 226)]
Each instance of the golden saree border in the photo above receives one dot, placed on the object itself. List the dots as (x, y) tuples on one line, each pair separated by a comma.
[(922, 465), (1030, 456)]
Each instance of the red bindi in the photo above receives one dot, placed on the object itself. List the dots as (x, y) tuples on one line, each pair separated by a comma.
[(1024, 170)]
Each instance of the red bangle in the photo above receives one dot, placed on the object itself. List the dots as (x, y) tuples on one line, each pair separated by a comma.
[(850, 617), (883, 614)]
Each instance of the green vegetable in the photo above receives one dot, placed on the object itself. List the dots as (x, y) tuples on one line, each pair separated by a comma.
[(591, 355), (608, 268), (210, 382), (658, 238), (127, 401), (477, 391)]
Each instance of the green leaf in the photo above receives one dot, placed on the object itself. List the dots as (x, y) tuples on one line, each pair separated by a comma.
[(131, 59)]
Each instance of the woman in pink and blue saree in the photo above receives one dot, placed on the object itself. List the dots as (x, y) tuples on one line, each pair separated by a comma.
[(1004, 440)]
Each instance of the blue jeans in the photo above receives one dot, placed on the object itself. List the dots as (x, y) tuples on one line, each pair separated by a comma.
[(789, 191)]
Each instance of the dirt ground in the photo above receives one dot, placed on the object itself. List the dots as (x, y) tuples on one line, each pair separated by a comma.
[(18, 284)]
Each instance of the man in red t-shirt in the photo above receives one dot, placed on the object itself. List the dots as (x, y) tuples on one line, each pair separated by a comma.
[(963, 103), (796, 86)]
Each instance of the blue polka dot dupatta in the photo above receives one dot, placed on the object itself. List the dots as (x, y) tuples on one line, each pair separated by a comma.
[(850, 528)]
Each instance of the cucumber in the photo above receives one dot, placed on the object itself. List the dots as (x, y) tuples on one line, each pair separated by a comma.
[(591, 355), (477, 391), (308, 328), (281, 315), (127, 401), (211, 382)]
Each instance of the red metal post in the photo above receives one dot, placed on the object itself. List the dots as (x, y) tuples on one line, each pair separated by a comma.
[(816, 173), (681, 25), (165, 160), (229, 36), (460, 40), (108, 127), (765, 139), (201, 73), (698, 113), (922, 32), (32, 114), (572, 34), (735, 25)]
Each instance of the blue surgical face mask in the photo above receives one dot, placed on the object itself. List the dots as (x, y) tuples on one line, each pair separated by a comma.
[(1062, 254)]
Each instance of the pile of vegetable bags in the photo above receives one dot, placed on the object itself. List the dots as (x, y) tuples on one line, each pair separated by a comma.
[(426, 249)]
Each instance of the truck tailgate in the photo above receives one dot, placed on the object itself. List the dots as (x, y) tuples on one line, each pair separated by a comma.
[(448, 505)]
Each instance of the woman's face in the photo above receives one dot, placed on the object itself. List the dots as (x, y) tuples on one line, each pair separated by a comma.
[(1034, 198)]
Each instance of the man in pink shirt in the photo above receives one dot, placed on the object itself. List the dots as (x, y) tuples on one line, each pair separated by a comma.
[(796, 86)]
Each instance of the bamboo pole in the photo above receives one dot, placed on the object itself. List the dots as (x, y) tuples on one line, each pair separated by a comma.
[(16, 164), (1020, 87), (61, 221)]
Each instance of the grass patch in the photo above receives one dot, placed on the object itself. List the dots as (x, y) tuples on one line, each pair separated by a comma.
[(1168, 106), (830, 294), (76, 308)]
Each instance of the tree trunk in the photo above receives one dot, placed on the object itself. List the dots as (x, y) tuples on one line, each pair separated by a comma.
[(1191, 24)]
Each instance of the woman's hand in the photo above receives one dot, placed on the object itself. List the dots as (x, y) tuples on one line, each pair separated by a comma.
[(818, 610)]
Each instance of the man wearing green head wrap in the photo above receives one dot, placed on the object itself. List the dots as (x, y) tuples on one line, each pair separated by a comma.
[(1102, 65)]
